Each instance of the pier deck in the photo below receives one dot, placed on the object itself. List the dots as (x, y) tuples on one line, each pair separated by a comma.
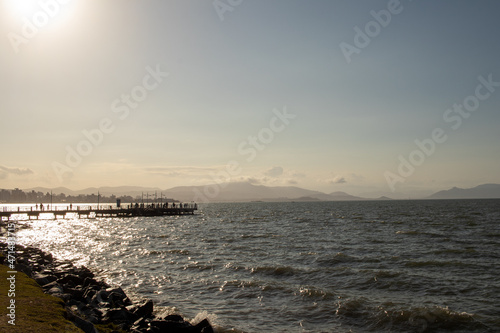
[(93, 212)]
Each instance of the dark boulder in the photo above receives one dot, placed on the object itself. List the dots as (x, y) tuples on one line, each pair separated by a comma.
[(71, 278), (145, 310), (84, 272), (76, 293), (89, 293), (140, 323), (47, 257), (49, 286), (73, 314), (117, 298), (171, 326), (203, 327), (43, 279), (119, 316), (24, 268)]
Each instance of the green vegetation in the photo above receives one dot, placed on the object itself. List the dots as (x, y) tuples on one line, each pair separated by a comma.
[(35, 311), (109, 328)]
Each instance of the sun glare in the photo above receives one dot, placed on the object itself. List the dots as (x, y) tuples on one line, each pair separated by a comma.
[(22, 8), (39, 12)]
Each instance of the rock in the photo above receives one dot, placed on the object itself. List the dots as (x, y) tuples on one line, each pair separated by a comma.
[(24, 268), (145, 310), (74, 279), (171, 326), (101, 296), (171, 318), (88, 281), (47, 271), (177, 324), (64, 296), (47, 257), (119, 316), (117, 298), (51, 285), (93, 315), (43, 279), (90, 302), (140, 324), (118, 291), (203, 327), (83, 324), (76, 294), (89, 293), (84, 272)]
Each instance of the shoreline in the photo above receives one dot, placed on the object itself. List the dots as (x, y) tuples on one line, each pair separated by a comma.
[(90, 304)]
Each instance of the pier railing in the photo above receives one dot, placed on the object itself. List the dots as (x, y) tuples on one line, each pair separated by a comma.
[(48, 208), (101, 210)]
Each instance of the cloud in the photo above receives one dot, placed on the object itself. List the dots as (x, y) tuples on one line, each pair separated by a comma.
[(274, 172), (337, 180), (200, 173), (180, 169), (298, 175), (6, 171), (253, 180)]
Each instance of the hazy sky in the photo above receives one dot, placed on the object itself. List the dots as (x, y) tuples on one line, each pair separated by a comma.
[(325, 95)]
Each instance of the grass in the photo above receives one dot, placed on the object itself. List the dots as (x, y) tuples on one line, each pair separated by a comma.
[(36, 312)]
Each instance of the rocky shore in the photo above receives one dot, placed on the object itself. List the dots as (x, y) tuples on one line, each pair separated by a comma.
[(93, 305)]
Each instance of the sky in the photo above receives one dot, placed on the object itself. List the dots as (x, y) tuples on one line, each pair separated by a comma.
[(397, 98)]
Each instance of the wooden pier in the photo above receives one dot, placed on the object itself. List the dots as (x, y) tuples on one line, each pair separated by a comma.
[(93, 212)]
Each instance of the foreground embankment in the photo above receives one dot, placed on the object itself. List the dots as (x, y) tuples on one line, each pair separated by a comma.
[(86, 304)]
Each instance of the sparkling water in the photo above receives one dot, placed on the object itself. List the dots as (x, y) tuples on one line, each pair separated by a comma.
[(373, 266)]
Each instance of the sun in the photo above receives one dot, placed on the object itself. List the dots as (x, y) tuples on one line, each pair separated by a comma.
[(47, 14), (22, 8)]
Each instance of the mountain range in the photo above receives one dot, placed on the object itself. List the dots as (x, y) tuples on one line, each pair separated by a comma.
[(245, 192), (479, 192)]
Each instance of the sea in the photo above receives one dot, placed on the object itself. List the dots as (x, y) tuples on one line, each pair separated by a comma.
[(368, 266)]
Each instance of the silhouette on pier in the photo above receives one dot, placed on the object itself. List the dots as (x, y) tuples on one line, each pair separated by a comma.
[(86, 211)]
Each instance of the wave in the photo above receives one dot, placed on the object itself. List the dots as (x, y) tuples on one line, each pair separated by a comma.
[(435, 263), (335, 259), (280, 271), (408, 232), (358, 312), (315, 292), (427, 319)]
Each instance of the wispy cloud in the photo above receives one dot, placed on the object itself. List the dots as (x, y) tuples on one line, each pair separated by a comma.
[(337, 180), (274, 172), (6, 171)]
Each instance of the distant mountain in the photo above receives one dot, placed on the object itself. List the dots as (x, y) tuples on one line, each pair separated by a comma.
[(338, 196), (484, 191), (122, 190), (245, 192), (57, 190)]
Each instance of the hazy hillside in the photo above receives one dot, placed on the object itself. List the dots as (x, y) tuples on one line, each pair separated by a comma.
[(230, 192), (244, 192), (478, 192)]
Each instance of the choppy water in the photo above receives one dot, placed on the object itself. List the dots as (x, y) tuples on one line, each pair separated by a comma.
[(401, 266)]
